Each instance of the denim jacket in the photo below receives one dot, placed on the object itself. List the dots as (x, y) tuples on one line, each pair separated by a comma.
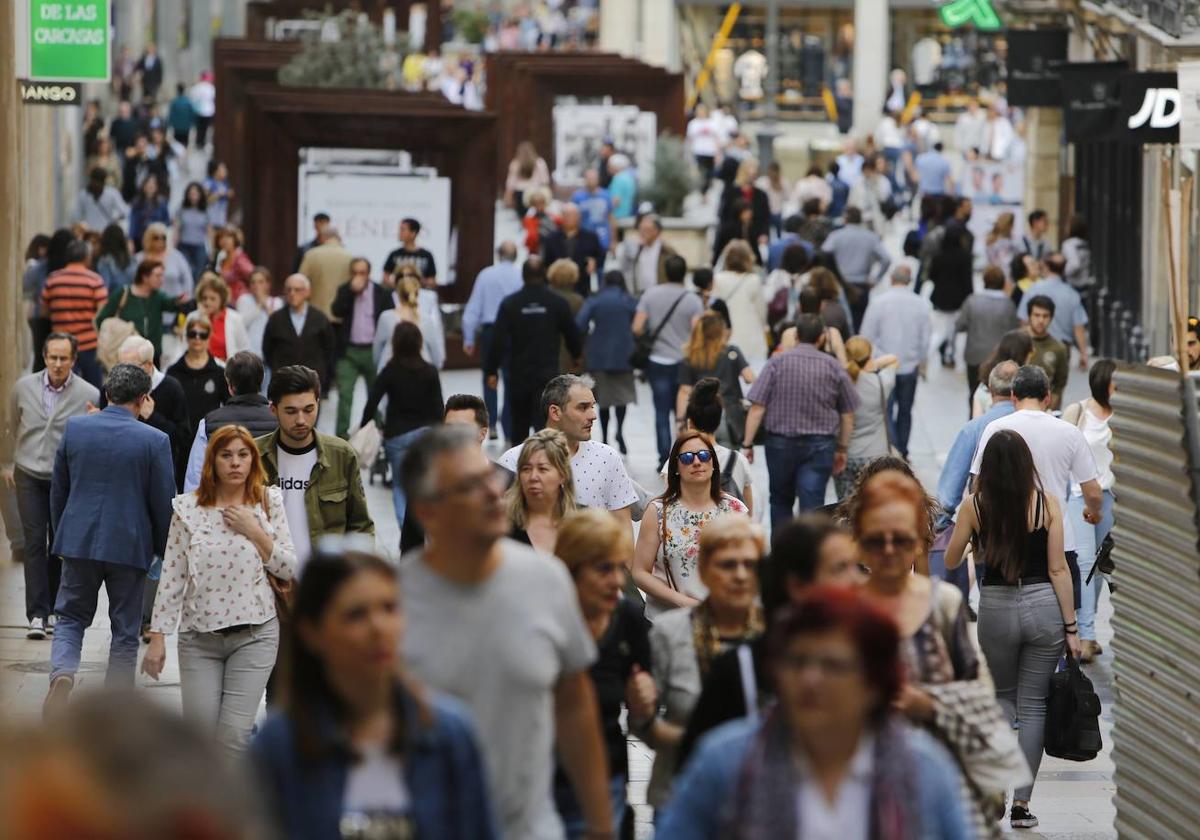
[(443, 770), (610, 344)]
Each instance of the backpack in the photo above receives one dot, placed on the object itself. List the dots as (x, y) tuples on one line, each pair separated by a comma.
[(1072, 715), (728, 483)]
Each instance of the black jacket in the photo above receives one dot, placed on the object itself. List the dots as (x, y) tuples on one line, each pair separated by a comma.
[(577, 248), (343, 309), (312, 348), (204, 389), (759, 203), (528, 327), (249, 410), (730, 231)]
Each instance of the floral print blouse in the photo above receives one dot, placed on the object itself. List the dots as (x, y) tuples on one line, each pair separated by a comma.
[(214, 577), (679, 551)]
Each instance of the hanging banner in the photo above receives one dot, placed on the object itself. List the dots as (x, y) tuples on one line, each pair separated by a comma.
[(1091, 97), (1150, 108), (1188, 73), (1032, 68)]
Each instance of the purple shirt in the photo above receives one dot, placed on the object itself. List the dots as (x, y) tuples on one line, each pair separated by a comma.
[(50, 394), (362, 324), (805, 392)]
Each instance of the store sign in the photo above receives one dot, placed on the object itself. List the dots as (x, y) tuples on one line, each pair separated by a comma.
[(49, 93), (1150, 107), (977, 13), (1091, 97), (69, 41), (1034, 56), (1188, 73)]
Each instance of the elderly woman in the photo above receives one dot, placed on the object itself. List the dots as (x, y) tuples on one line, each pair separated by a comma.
[(684, 643), (227, 539), (831, 751), (563, 275), (597, 548), (739, 285), (142, 304), (949, 690), (543, 492), (232, 262), (359, 749), (228, 331), (665, 559), (177, 275), (201, 376)]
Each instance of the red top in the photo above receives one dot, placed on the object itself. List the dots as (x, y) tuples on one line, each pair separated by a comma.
[(216, 339)]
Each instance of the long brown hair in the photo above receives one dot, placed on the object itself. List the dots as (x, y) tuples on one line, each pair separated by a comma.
[(673, 491), (527, 158), (706, 342), (256, 477), (1007, 482)]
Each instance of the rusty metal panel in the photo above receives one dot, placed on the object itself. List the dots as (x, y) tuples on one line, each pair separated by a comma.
[(1156, 608)]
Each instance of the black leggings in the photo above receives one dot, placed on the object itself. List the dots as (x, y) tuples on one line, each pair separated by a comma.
[(604, 415)]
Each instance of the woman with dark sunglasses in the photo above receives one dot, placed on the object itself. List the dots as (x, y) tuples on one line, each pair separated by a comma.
[(665, 563), (202, 377)]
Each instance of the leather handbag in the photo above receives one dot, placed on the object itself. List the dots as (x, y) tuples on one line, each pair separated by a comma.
[(1072, 715)]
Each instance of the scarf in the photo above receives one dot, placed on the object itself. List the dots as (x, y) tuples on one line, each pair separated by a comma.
[(709, 644)]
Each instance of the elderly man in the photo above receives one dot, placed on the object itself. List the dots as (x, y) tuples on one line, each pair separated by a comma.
[(166, 406), (39, 406), (299, 333), (110, 507), (644, 258), (576, 243)]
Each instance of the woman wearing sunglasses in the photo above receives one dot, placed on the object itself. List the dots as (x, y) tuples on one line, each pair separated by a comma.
[(949, 690), (685, 643), (665, 562), (202, 377)]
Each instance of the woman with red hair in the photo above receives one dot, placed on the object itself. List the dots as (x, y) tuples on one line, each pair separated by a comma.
[(227, 538), (949, 691), (831, 738)]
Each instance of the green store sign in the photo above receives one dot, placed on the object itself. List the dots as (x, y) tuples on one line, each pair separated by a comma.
[(977, 13), (69, 40)]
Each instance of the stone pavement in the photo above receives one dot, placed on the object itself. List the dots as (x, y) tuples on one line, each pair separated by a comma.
[(1072, 800)]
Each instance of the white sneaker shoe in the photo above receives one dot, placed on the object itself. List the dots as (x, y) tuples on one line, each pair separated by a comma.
[(51, 620), (37, 629)]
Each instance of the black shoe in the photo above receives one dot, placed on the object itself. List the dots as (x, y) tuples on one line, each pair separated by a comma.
[(493, 434), (621, 445), (1019, 817)]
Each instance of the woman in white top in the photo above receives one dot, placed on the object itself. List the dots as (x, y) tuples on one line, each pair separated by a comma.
[(257, 306), (417, 306), (1091, 416), (739, 285), (227, 539), (874, 379)]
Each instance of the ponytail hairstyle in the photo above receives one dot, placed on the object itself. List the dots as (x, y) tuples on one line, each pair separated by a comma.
[(858, 354)]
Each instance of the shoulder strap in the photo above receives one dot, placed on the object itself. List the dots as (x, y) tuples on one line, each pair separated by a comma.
[(1038, 511), (887, 427), (663, 323), (121, 304), (662, 544), (749, 682)]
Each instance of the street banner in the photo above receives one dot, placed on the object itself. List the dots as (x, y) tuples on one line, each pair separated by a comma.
[(1091, 99), (69, 41), (1032, 69)]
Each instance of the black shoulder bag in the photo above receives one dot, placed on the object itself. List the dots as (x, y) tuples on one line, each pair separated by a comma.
[(644, 343), (1072, 715)]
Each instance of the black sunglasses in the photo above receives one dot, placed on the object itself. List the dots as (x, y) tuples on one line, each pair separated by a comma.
[(196, 334)]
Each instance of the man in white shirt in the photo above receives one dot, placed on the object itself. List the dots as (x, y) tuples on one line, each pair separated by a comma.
[(1060, 452), (598, 471), (704, 136)]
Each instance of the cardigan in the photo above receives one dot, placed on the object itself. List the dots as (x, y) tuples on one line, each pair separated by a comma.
[(37, 436)]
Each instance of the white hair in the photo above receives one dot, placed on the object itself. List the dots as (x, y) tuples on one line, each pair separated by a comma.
[(135, 344)]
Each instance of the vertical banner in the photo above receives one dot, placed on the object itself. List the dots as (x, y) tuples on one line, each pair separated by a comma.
[(1091, 97), (1189, 104), (1033, 61)]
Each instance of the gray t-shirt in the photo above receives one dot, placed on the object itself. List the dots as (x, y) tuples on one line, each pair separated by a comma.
[(656, 302), (193, 226), (870, 438), (501, 647)]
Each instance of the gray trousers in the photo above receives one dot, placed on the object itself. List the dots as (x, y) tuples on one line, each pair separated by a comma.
[(222, 678), (1021, 635)]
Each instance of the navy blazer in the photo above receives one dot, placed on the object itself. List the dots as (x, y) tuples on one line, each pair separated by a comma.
[(610, 344), (111, 492)]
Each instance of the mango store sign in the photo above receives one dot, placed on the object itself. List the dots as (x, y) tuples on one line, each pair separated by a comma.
[(69, 40)]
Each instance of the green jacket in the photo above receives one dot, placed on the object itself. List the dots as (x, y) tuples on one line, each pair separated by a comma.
[(145, 313), (335, 500)]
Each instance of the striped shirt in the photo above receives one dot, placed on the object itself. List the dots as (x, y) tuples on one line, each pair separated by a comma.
[(805, 392), (72, 297)]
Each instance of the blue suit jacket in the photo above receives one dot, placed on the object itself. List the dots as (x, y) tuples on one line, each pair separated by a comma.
[(110, 496)]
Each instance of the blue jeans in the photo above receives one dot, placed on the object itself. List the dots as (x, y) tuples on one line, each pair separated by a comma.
[(900, 405), (1087, 540), (798, 467), (196, 255), (572, 815), (76, 607), (395, 447), (490, 396), (664, 385)]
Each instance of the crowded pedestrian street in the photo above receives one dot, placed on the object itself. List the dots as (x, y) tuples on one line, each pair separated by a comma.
[(599, 420)]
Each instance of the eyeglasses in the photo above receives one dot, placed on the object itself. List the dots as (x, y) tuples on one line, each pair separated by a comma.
[(196, 334), (878, 543), (829, 666), (686, 458), (733, 564)]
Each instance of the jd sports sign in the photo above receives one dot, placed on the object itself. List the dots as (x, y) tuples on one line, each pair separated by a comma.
[(1150, 108)]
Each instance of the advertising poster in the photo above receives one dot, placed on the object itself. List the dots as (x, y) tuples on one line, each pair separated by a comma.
[(579, 131)]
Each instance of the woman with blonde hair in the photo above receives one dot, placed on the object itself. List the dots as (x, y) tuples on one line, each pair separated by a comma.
[(740, 286), (1000, 245), (536, 220), (227, 539), (418, 306), (709, 353), (874, 378), (562, 275), (228, 334), (527, 171), (597, 547), (544, 490), (232, 262), (177, 274)]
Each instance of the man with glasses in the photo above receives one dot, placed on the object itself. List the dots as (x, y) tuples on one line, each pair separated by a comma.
[(39, 406), (299, 334), (357, 305), (494, 624)]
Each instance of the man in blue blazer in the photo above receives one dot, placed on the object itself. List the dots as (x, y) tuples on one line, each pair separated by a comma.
[(110, 505)]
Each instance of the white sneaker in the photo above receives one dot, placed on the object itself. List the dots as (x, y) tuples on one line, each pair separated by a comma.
[(51, 620), (37, 629)]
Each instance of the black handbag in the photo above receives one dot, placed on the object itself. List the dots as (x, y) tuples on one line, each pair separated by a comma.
[(1104, 562), (639, 359), (1072, 715)]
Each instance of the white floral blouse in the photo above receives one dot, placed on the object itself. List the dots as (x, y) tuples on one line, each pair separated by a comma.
[(214, 577), (681, 549)]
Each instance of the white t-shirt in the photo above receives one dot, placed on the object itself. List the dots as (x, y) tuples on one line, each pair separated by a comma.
[(1060, 455), (704, 136), (741, 475), (599, 473), (295, 474), (375, 784)]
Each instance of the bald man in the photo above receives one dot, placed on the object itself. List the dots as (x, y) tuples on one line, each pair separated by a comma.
[(299, 334), (574, 242)]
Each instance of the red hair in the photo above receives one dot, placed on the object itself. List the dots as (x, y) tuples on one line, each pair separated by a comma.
[(825, 609), (889, 486), (256, 477)]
